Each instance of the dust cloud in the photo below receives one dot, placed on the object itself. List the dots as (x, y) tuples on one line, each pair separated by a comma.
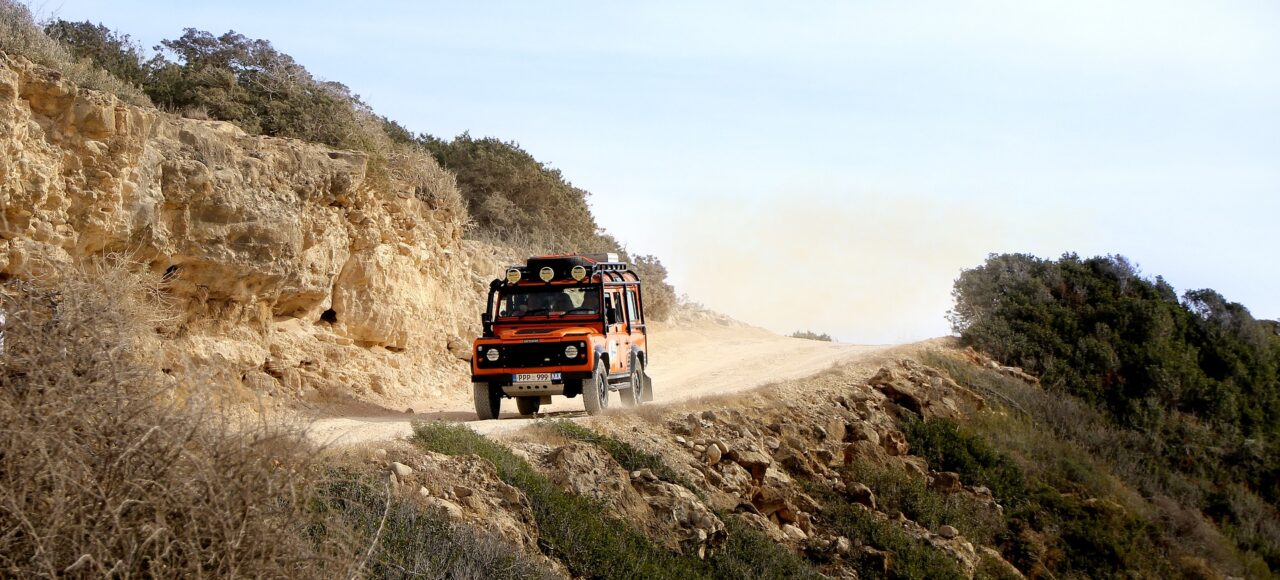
[(867, 269)]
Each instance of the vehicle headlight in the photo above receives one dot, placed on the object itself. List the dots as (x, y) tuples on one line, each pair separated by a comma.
[(491, 354), (571, 351)]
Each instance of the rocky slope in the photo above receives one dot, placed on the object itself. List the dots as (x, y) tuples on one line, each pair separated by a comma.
[(296, 272), (774, 460)]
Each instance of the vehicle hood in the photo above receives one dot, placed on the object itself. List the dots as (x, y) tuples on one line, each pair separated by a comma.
[(540, 333)]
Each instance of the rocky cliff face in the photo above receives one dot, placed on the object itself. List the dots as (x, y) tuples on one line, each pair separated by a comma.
[(295, 270)]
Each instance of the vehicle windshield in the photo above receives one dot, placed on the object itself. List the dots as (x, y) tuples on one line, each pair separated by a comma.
[(548, 301)]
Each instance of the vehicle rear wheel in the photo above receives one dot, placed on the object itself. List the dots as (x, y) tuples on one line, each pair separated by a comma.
[(528, 405), (634, 395), (488, 400), (595, 394)]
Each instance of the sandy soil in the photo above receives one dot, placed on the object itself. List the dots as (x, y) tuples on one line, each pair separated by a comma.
[(691, 360)]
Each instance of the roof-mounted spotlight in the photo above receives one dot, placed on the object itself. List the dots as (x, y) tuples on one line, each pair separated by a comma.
[(546, 273), (513, 276), (578, 273)]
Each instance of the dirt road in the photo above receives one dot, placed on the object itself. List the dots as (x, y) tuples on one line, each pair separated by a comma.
[(690, 360)]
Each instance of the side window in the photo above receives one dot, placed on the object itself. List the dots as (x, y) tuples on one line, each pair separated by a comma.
[(613, 301), (632, 314)]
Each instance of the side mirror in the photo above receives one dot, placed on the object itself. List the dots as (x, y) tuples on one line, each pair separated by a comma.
[(486, 322)]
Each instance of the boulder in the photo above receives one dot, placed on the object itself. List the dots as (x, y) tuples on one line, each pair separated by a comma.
[(860, 494), (680, 514), (946, 482)]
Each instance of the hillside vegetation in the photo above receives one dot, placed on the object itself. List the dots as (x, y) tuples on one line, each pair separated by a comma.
[(1183, 395), (512, 198)]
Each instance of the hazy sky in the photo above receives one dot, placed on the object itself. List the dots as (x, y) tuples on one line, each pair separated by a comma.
[(835, 165)]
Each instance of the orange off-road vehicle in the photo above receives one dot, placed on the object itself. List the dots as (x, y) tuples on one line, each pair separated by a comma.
[(562, 325)]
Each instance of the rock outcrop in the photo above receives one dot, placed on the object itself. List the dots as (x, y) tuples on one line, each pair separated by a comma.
[(296, 270)]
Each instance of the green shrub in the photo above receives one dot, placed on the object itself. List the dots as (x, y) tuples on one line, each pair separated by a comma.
[(1075, 447), (897, 490), (413, 542), (516, 199), (20, 35), (628, 456), (911, 558), (749, 554), (1200, 376), (1052, 520), (947, 448), (810, 335), (573, 528)]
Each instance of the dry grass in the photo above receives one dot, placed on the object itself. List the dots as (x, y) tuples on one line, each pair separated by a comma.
[(103, 474), (105, 471), (20, 35)]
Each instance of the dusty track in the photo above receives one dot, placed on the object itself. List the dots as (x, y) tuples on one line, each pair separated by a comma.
[(690, 360)]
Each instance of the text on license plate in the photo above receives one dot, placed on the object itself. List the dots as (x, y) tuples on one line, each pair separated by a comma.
[(537, 377)]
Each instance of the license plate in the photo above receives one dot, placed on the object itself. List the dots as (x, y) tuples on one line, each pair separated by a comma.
[(536, 377)]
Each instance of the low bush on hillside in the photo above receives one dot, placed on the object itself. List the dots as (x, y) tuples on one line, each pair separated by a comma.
[(747, 552), (407, 541), (1074, 447), (572, 528), (1198, 375), (627, 455), (898, 490), (516, 199), (906, 556), (1181, 398), (20, 35), (594, 545), (811, 335)]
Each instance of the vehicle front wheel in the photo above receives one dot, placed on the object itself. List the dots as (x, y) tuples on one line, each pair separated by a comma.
[(528, 405), (595, 393), (488, 400)]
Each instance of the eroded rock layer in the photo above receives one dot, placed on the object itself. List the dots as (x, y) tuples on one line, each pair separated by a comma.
[(294, 270)]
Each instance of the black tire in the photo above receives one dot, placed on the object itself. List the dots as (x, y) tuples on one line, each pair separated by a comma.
[(488, 400), (595, 394), (528, 405), (635, 394)]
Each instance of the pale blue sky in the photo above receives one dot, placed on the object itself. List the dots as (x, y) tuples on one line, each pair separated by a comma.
[(848, 158)]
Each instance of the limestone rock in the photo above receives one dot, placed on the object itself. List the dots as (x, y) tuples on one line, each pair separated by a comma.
[(401, 470), (586, 470), (695, 527)]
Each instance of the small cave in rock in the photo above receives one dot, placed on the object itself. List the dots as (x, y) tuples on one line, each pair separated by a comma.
[(330, 316), (170, 273)]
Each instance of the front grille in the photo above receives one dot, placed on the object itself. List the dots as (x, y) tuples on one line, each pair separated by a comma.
[(546, 354), (533, 355)]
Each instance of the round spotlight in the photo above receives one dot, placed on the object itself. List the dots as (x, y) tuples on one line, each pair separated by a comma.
[(546, 273), (513, 276), (578, 273), (492, 355)]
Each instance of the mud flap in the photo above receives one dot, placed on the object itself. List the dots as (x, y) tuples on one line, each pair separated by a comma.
[(647, 394)]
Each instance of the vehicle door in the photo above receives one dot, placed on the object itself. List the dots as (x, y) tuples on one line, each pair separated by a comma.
[(617, 339), (635, 320)]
